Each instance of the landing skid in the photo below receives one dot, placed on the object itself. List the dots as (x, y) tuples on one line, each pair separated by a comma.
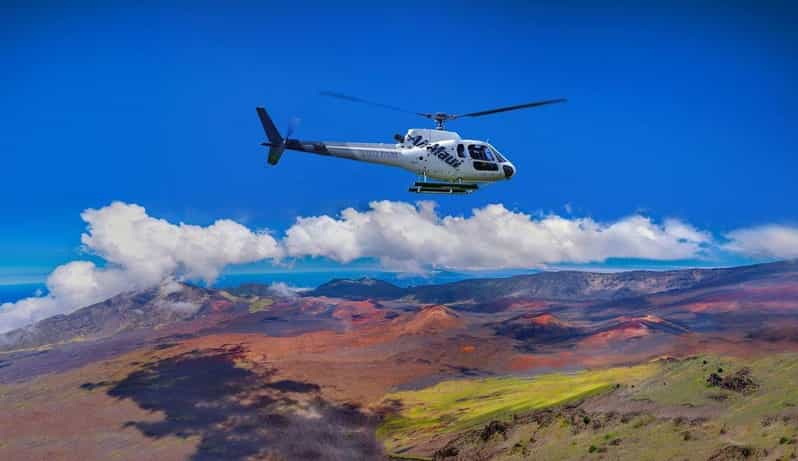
[(442, 188)]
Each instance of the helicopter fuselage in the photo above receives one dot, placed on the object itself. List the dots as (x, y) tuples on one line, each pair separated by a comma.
[(435, 154), (461, 164)]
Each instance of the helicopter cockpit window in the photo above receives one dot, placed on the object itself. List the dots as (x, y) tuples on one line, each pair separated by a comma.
[(496, 154), (488, 153), (460, 151)]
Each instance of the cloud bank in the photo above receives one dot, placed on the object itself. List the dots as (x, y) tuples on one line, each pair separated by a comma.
[(142, 251), (771, 241), (410, 237)]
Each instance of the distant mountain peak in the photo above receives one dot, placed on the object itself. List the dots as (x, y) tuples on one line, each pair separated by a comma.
[(358, 289), (366, 281), (167, 302)]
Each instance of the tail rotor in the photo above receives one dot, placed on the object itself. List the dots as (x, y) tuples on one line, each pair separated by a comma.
[(293, 124)]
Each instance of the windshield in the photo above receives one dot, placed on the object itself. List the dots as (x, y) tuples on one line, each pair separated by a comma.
[(496, 154)]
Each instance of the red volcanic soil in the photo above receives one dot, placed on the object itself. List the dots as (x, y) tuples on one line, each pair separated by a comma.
[(361, 365), (653, 322), (759, 298), (220, 305), (431, 319), (357, 311), (526, 305), (617, 333), (626, 328), (310, 306), (544, 319), (527, 362)]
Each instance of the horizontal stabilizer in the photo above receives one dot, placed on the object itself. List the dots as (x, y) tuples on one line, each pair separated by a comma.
[(276, 142)]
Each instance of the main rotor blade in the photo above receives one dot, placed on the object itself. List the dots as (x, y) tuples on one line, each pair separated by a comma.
[(346, 97), (508, 108)]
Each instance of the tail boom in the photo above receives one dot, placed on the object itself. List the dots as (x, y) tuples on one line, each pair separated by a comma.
[(386, 154)]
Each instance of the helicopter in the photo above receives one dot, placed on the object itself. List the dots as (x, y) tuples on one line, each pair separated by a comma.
[(445, 162)]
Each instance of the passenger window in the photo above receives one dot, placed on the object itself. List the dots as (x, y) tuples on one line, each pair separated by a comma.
[(481, 152), (460, 151), (476, 152)]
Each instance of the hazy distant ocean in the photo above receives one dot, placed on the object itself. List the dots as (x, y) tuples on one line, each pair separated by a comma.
[(11, 293), (314, 279)]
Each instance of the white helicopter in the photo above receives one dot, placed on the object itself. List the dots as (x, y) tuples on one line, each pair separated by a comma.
[(455, 165)]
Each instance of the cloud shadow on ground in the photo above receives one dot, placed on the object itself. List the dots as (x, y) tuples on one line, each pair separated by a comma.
[(239, 413)]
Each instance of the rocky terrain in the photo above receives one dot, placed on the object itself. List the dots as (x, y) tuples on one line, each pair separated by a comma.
[(694, 364)]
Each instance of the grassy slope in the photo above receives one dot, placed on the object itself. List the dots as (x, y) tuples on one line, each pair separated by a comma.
[(741, 420), (766, 419), (260, 304), (453, 406), (256, 303)]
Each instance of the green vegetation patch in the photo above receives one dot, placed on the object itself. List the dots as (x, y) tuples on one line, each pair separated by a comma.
[(685, 384), (688, 416), (452, 406), (260, 304), (228, 296)]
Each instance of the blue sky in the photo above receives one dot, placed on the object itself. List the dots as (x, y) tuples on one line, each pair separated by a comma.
[(675, 110)]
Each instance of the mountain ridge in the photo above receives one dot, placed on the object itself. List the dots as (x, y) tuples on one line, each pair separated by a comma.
[(174, 302), (556, 285)]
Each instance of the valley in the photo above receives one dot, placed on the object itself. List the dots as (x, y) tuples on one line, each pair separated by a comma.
[(556, 365)]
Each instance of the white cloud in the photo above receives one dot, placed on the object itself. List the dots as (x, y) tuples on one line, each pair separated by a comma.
[(140, 251), (285, 290), (411, 237), (770, 241), (152, 249)]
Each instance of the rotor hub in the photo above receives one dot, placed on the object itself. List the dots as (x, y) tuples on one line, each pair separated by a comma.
[(441, 118)]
